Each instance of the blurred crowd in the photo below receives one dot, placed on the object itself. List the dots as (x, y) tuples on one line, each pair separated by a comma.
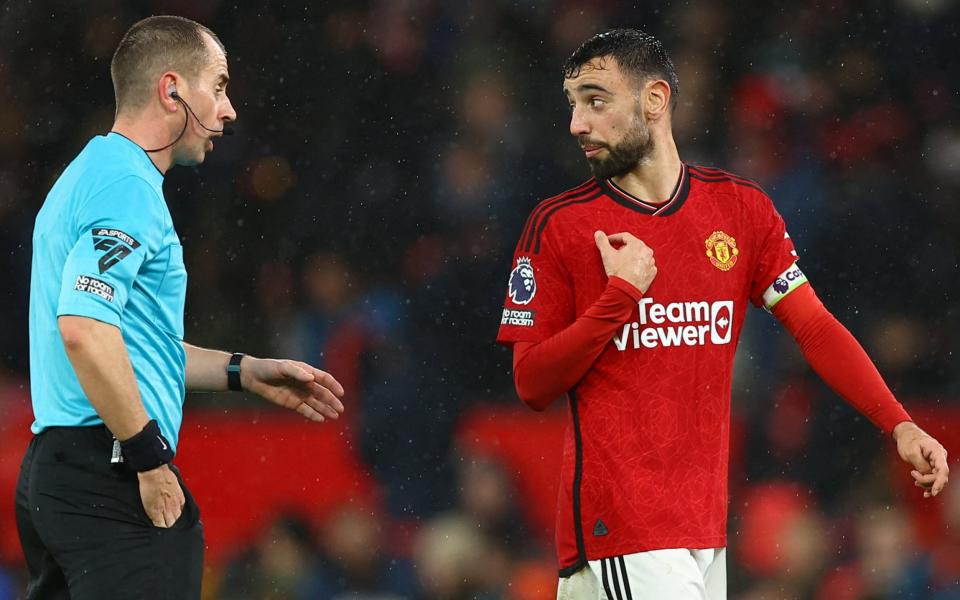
[(364, 216)]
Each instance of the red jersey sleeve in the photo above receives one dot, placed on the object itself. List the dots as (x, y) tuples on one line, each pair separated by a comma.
[(839, 359), (776, 273), (539, 300)]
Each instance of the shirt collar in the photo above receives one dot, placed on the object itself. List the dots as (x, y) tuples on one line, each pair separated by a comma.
[(139, 154)]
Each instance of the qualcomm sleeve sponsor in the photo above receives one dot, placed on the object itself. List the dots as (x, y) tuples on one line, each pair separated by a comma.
[(522, 287), (785, 283), (678, 324), (520, 318), (94, 286)]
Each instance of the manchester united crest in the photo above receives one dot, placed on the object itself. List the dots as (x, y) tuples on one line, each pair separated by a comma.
[(722, 250)]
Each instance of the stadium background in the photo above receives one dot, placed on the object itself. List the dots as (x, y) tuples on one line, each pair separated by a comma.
[(363, 218)]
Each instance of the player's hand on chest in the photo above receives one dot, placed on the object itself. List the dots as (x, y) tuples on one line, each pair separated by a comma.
[(674, 261)]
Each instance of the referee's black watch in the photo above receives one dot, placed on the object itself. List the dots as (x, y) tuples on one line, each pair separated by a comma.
[(233, 372)]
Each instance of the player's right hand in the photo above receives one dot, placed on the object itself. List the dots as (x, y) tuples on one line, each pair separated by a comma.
[(161, 496), (631, 260)]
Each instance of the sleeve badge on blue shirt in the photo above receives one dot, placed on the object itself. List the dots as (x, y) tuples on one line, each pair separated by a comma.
[(92, 285), (117, 244)]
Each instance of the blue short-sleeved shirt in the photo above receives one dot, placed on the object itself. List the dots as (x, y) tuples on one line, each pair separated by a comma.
[(104, 247)]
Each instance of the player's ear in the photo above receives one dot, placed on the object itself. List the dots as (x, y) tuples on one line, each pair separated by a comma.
[(656, 99)]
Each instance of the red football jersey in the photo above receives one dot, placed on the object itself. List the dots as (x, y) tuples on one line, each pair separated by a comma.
[(646, 450)]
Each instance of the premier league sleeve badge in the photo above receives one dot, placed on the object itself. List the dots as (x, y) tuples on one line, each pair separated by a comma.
[(523, 285)]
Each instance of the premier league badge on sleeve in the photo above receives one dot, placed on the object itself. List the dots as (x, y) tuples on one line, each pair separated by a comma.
[(523, 286)]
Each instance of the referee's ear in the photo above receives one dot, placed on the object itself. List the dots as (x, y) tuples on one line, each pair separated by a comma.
[(166, 90)]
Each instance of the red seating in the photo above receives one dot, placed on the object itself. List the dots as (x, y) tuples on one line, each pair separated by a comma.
[(530, 445), (244, 466), (943, 423), (14, 437)]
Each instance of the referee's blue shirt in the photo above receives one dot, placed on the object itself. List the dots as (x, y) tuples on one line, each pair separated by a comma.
[(104, 247)]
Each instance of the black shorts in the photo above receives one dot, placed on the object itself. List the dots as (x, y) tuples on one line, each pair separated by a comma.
[(84, 531)]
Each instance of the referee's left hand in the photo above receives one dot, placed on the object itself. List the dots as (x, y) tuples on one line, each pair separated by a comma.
[(292, 384)]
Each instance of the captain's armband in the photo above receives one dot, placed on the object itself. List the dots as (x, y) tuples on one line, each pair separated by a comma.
[(785, 283)]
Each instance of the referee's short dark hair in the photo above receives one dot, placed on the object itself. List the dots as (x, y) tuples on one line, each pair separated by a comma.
[(638, 53), (152, 46)]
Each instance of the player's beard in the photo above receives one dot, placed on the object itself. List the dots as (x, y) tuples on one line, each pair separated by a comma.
[(625, 156)]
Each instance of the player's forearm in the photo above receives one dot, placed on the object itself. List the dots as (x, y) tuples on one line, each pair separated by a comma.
[(544, 371), (100, 360), (837, 357), (206, 369)]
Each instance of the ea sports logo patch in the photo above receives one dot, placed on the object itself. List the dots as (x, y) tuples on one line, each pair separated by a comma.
[(116, 245), (523, 286)]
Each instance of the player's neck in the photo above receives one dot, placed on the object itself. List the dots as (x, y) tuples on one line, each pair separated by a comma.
[(146, 135), (655, 178)]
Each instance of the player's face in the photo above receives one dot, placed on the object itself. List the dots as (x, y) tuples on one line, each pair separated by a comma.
[(607, 119), (207, 96)]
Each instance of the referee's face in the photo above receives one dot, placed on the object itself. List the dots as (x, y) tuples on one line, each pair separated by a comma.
[(607, 119), (208, 99)]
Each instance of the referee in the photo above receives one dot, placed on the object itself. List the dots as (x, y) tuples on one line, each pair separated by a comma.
[(101, 510)]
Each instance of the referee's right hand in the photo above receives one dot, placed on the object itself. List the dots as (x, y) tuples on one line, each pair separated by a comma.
[(161, 495)]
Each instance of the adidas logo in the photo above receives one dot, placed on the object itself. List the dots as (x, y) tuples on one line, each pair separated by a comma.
[(600, 529)]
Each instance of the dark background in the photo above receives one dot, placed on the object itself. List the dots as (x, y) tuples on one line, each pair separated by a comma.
[(364, 215)]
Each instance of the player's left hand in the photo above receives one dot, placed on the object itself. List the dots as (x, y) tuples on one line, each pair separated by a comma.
[(927, 456), (292, 384)]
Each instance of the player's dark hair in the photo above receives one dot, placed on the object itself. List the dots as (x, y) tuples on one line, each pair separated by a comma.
[(152, 46), (637, 53)]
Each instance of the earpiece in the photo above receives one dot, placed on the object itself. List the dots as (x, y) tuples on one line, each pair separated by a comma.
[(172, 93)]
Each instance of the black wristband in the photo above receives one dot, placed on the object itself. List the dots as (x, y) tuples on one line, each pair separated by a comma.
[(233, 372), (147, 450)]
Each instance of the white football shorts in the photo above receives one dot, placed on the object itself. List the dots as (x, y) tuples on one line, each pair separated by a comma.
[(671, 574)]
